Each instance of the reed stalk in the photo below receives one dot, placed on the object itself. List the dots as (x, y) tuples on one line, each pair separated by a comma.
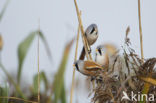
[(73, 77)]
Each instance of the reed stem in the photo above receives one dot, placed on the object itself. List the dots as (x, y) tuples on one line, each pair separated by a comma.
[(140, 30), (85, 42), (73, 77)]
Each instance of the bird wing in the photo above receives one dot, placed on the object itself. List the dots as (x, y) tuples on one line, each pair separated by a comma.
[(92, 66)]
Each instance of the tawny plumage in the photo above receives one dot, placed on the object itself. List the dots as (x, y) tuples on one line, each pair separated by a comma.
[(88, 68)]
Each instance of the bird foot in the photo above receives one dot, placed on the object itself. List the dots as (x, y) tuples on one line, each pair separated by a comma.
[(89, 51)]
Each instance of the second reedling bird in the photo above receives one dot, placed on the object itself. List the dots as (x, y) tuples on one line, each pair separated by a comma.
[(101, 56), (106, 55), (91, 34)]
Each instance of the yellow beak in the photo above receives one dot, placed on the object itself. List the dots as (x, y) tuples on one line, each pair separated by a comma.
[(96, 50), (73, 65)]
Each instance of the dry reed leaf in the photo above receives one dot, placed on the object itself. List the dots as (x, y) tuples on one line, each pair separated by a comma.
[(127, 31), (149, 80), (127, 40), (125, 81)]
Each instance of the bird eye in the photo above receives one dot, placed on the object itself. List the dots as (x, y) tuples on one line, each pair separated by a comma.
[(92, 30)]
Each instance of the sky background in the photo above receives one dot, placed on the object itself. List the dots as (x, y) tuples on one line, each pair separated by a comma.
[(58, 22)]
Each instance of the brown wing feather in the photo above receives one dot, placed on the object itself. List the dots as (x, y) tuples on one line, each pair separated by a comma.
[(92, 66)]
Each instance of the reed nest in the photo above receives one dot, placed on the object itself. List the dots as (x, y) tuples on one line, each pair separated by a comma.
[(127, 73)]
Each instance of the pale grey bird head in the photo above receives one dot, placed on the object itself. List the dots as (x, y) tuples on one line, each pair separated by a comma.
[(100, 50), (101, 56), (91, 33), (79, 64)]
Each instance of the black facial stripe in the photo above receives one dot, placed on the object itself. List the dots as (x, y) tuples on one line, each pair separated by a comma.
[(92, 30), (100, 51), (77, 66)]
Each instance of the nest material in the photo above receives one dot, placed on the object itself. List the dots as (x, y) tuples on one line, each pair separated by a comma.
[(124, 75)]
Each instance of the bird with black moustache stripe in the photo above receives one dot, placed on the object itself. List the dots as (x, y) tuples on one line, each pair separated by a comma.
[(101, 56), (91, 34)]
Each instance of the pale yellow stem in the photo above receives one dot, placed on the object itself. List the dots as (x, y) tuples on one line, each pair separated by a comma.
[(73, 77), (140, 30), (85, 42)]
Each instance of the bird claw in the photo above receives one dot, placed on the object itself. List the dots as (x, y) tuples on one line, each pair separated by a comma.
[(89, 51), (99, 79), (92, 78)]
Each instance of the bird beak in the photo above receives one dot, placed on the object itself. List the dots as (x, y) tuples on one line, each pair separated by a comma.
[(73, 65), (96, 50)]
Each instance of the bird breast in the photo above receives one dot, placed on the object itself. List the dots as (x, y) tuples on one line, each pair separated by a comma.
[(101, 60), (92, 38)]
